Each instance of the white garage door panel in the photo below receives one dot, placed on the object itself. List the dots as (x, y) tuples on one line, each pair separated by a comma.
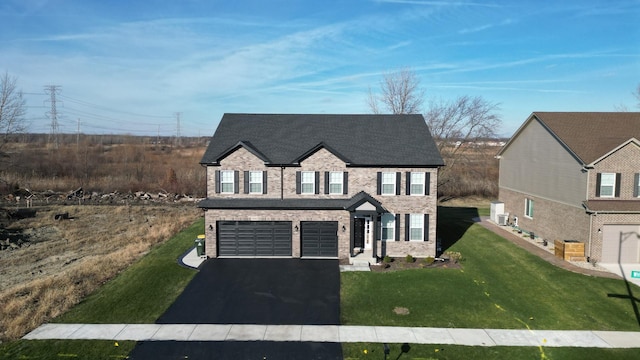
[(620, 243)]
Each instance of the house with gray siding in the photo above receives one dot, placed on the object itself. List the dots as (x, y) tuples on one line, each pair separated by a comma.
[(575, 176), (321, 186)]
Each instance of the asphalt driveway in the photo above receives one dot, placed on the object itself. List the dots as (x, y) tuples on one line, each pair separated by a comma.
[(260, 291), (254, 291)]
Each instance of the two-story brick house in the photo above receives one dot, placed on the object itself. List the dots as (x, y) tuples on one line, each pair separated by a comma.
[(575, 176), (333, 186)]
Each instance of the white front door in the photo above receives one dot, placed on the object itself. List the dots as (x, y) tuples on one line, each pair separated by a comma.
[(368, 233)]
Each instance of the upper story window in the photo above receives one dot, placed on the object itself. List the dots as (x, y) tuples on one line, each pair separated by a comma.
[(388, 222), (227, 180), (636, 185), (417, 183), (255, 182), (388, 183), (607, 187), (307, 182), (528, 208), (335, 182)]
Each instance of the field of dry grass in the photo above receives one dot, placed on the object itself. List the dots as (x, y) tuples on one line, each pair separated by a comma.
[(68, 259)]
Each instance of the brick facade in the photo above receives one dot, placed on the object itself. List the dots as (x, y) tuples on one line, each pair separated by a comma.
[(281, 183)]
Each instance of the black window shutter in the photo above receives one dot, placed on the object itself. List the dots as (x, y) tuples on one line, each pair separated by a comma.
[(427, 183), (217, 181), (236, 181), (397, 232), (379, 182), (246, 182), (264, 182), (407, 227), (426, 227), (618, 178), (298, 180), (317, 182), (636, 185), (408, 190), (326, 182), (598, 181), (398, 180), (345, 183)]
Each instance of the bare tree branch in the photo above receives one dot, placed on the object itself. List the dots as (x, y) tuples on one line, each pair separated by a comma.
[(458, 127), (12, 109), (400, 94)]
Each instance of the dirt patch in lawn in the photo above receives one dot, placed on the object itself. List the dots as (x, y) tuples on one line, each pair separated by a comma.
[(398, 264)]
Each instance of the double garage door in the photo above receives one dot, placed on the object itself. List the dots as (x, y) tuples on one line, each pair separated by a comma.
[(620, 244), (274, 238)]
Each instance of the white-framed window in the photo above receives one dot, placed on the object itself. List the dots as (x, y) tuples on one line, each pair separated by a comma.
[(528, 208), (637, 190), (308, 182), (388, 183), (416, 227), (607, 184), (255, 182), (417, 183), (335, 182), (226, 181), (388, 223)]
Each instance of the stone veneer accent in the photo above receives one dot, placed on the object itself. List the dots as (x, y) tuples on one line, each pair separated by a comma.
[(281, 182)]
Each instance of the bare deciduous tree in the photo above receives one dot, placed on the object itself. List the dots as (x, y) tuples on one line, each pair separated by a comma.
[(400, 93), (12, 109), (461, 129)]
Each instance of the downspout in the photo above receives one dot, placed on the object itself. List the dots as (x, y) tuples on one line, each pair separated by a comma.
[(590, 235), (281, 182)]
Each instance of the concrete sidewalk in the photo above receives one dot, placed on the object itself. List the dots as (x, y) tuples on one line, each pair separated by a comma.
[(338, 334)]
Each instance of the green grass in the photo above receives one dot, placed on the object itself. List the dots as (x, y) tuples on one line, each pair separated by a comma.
[(355, 351), (66, 349), (499, 286), (145, 290)]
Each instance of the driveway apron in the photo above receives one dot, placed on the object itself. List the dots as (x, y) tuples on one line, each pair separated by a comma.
[(260, 291)]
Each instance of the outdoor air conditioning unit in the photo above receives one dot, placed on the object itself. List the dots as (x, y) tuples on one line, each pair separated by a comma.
[(503, 219)]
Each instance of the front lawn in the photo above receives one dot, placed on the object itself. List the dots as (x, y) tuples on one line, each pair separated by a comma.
[(499, 286), (361, 351)]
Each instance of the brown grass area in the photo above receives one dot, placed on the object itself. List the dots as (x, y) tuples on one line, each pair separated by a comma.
[(69, 259)]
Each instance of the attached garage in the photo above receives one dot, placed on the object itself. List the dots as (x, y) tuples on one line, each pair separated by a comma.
[(254, 238), (319, 238), (621, 244)]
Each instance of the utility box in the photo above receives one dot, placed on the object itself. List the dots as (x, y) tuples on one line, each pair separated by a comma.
[(200, 242), (497, 208)]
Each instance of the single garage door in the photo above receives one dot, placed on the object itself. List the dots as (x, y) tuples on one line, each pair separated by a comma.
[(254, 238), (620, 242), (319, 238)]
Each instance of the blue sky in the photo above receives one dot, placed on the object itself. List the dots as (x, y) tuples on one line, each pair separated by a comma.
[(129, 66)]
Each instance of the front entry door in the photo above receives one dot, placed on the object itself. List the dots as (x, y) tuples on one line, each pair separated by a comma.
[(358, 233)]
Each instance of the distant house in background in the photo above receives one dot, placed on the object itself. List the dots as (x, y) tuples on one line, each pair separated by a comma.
[(575, 176), (321, 186)]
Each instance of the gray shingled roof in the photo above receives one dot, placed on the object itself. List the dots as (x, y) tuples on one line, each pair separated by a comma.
[(591, 135), (360, 140), (290, 204)]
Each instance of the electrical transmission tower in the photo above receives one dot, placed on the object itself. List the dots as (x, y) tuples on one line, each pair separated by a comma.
[(52, 91)]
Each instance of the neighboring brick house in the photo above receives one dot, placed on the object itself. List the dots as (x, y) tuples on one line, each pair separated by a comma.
[(575, 176), (332, 186)]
